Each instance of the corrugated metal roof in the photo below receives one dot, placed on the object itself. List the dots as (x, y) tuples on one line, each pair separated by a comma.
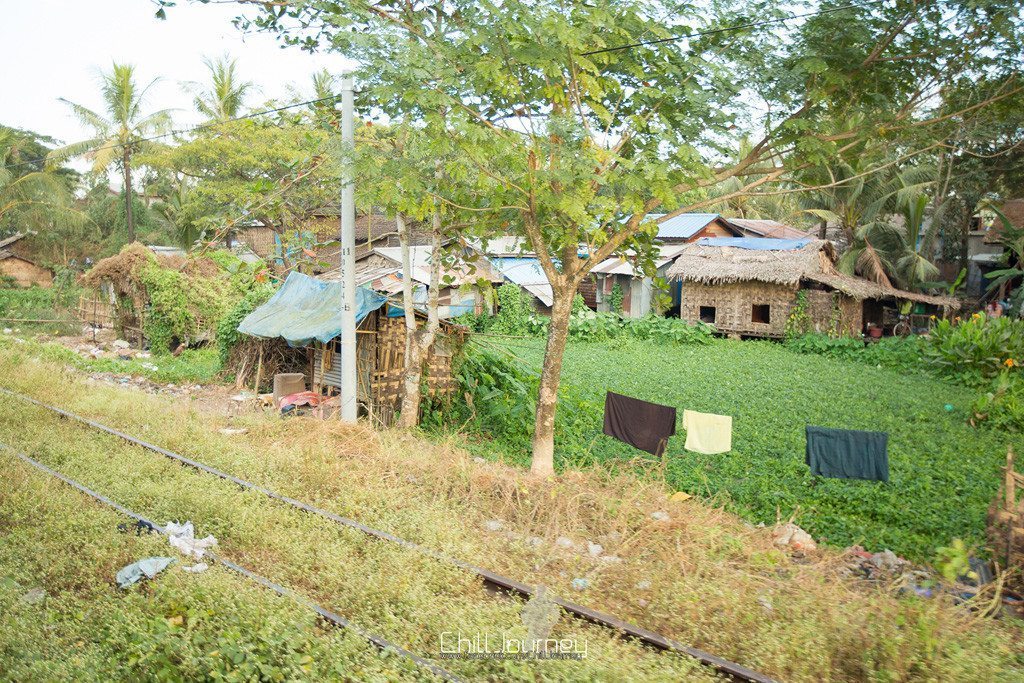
[(527, 273), (683, 226), (767, 228), (620, 266)]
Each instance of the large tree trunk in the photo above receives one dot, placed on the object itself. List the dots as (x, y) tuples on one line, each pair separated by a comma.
[(543, 463), (129, 219), (418, 341)]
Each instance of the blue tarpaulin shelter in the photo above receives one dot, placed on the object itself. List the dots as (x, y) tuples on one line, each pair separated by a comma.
[(307, 309)]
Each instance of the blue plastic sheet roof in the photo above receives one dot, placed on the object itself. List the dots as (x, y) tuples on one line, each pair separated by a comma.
[(755, 243), (305, 309), (683, 226)]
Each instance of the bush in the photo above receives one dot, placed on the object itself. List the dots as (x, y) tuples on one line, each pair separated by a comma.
[(227, 327), (975, 350), (1002, 407), (900, 353), (514, 311), (590, 326)]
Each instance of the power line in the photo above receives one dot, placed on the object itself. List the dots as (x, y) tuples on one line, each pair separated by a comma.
[(193, 129), (736, 27)]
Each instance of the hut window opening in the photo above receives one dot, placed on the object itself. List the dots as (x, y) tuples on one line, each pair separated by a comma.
[(761, 313), (707, 314)]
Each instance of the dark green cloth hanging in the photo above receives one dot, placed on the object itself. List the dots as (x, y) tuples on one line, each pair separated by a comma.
[(848, 453)]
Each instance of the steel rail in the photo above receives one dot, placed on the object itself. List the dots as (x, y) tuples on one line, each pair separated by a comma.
[(657, 640), (326, 614)]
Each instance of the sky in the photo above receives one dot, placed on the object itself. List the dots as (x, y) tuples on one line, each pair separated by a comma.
[(55, 48)]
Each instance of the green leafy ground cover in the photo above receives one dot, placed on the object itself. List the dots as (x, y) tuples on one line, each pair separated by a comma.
[(714, 582), (943, 472)]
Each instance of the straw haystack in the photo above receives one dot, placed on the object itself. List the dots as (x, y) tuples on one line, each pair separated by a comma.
[(751, 291)]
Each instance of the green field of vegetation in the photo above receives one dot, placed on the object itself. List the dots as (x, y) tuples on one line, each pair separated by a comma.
[(944, 472)]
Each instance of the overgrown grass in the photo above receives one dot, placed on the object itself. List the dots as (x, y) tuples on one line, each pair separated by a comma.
[(943, 472), (714, 581), (199, 366)]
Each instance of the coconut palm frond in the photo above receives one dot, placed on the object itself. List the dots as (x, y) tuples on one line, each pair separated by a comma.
[(872, 264), (76, 149)]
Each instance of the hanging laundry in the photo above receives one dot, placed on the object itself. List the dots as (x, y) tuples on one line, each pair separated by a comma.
[(641, 424), (707, 432), (848, 453), (147, 568), (183, 537)]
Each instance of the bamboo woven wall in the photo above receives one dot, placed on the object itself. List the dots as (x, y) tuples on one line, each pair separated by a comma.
[(733, 304), (834, 312), (390, 362)]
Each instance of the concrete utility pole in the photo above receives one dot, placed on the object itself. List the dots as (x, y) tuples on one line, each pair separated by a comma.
[(349, 406)]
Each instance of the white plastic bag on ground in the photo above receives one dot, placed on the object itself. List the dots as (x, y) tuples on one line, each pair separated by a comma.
[(183, 537)]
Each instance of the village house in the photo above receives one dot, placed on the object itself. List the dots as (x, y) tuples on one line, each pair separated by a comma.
[(17, 264), (321, 229), (306, 313), (749, 286), (637, 289), (465, 277), (690, 227)]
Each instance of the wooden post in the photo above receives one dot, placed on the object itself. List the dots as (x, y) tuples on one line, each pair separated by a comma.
[(1011, 484)]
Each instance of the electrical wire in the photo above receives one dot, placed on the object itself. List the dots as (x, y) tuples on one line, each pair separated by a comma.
[(735, 27), (193, 129)]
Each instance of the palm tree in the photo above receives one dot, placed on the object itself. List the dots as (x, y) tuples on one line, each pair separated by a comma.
[(224, 97), (121, 133), (862, 201), (31, 198)]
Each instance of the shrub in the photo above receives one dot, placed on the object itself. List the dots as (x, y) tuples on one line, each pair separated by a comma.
[(227, 327), (514, 311), (1002, 407), (975, 350), (901, 353)]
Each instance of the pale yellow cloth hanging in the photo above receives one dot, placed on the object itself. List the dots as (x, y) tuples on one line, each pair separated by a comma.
[(707, 433)]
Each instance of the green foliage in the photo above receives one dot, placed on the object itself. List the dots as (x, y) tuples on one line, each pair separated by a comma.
[(591, 326), (227, 329), (35, 303), (977, 349), (953, 561), (615, 299), (1002, 406), (181, 309), (799, 321), (899, 353), (515, 309), (943, 472)]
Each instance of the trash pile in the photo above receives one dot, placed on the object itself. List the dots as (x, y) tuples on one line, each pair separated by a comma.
[(182, 538)]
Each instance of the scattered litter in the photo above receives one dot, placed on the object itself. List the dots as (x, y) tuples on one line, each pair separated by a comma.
[(231, 431), (580, 584), (196, 568), (791, 536), (302, 398), (595, 549), (534, 541), (642, 602), (139, 527), (493, 525), (563, 542), (659, 516), (540, 615), (33, 596), (147, 568), (183, 537), (766, 604), (643, 585), (680, 496), (7, 330), (611, 559), (479, 460), (121, 344)]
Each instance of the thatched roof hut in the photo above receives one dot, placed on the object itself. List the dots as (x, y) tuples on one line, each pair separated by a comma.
[(748, 277)]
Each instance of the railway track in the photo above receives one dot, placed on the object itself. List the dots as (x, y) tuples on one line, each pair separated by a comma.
[(491, 580)]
